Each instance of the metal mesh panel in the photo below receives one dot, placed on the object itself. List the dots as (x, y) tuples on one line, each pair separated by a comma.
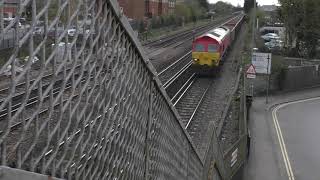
[(194, 171), (236, 155), (79, 101), (170, 156)]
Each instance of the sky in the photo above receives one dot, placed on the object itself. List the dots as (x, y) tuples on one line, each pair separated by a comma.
[(236, 2)]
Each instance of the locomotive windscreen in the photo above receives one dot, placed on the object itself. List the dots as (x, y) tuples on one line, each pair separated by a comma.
[(212, 48), (199, 48)]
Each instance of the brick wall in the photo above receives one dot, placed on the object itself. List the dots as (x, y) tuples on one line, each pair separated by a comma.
[(137, 9), (158, 7), (134, 9)]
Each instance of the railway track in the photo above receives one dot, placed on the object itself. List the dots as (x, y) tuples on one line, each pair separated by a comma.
[(201, 109), (78, 131), (187, 99), (34, 99), (179, 72), (169, 74), (186, 35), (48, 112), (175, 76), (191, 98), (18, 97)]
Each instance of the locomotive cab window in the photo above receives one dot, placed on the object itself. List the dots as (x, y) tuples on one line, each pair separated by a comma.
[(212, 48), (199, 48)]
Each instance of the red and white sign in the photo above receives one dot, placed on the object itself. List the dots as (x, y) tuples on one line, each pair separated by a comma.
[(251, 72)]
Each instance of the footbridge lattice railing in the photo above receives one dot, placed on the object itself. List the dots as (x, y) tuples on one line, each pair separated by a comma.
[(80, 99)]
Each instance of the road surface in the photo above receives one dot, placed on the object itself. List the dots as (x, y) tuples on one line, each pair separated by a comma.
[(285, 139)]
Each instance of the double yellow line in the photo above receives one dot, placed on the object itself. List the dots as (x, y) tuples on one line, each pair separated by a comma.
[(281, 142), (280, 136)]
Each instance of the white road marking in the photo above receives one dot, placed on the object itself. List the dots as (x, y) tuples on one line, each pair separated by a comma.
[(280, 136)]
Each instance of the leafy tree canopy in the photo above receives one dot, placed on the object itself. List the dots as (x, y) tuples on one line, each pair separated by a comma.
[(301, 18), (221, 7)]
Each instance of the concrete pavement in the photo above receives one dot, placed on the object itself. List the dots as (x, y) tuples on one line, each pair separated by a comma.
[(298, 125)]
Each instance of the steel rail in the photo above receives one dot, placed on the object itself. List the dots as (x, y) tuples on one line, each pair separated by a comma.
[(56, 91), (33, 80), (177, 75), (31, 100), (170, 40), (34, 100), (171, 66), (198, 105), (184, 92), (167, 40), (186, 84), (177, 61)]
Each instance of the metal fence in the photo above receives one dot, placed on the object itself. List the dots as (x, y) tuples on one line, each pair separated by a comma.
[(80, 100), (299, 77), (236, 155)]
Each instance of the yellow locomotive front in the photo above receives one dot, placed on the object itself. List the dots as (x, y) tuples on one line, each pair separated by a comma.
[(205, 52), (206, 59)]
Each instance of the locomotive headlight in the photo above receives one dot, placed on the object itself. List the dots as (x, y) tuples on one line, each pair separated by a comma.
[(196, 60)]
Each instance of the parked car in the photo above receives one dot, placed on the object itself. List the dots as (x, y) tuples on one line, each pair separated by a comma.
[(54, 31), (269, 36), (62, 49), (8, 21), (61, 45), (34, 60), (274, 44), (38, 30), (72, 32)]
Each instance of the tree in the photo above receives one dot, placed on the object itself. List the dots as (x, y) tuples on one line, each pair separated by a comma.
[(261, 16), (301, 19), (190, 11), (222, 7), (204, 4), (183, 11), (248, 5), (310, 26)]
